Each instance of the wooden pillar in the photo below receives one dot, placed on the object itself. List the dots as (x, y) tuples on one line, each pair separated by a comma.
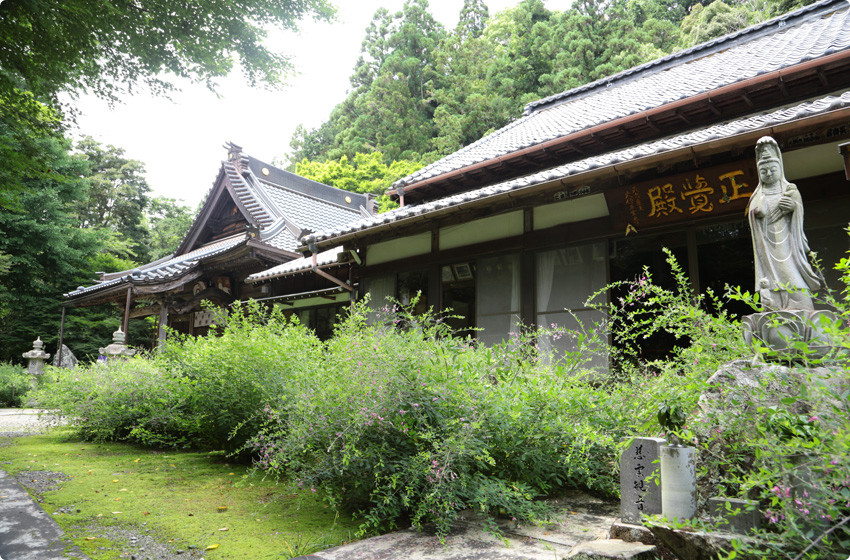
[(528, 277), (163, 322), (126, 323), (61, 338), (693, 260), (435, 278)]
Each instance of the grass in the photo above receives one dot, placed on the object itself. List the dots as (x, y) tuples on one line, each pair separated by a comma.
[(177, 496)]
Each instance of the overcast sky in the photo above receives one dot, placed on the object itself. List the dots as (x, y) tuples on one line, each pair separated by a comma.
[(180, 141)]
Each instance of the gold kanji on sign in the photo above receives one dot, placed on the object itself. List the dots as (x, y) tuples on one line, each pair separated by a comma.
[(697, 195), (662, 201)]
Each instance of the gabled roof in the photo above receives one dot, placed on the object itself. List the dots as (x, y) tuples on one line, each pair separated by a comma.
[(277, 206), (744, 129), (701, 79), (280, 205)]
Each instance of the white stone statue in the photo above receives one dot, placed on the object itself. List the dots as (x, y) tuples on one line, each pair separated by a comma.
[(784, 277)]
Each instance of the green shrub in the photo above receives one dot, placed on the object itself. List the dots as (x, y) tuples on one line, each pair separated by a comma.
[(204, 392), (130, 400), (409, 424), (258, 358), (15, 384)]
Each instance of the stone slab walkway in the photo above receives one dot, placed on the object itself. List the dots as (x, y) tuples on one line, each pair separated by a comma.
[(27, 532), (580, 520)]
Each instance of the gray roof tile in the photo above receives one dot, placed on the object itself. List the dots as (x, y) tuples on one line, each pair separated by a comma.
[(296, 266), (817, 30), (727, 129), (170, 269)]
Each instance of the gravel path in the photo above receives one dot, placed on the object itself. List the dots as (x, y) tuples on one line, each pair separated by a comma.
[(15, 422)]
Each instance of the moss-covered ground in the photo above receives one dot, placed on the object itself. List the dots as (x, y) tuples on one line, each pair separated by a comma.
[(188, 499)]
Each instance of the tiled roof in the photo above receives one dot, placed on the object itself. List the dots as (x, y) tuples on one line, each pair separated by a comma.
[(308, 211), (814, 31), (165, 270), (693, 138), (280, 204), (296, 266)]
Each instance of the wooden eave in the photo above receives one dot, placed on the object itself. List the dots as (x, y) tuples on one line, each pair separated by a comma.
[(603, 177), (769, 90)]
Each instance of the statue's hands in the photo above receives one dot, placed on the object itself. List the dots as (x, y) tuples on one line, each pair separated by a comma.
[(757, 212), (786, 203)]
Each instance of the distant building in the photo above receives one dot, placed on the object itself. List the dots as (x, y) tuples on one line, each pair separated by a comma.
[(252, 219)]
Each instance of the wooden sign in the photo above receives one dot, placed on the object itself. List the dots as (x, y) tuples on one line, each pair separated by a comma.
[(702, 193)]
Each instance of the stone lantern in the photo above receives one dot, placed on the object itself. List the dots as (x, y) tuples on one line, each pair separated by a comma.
[(117, 349), (36, 357)]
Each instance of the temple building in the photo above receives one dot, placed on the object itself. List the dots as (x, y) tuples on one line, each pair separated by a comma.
[(253, 218), (522, 226)]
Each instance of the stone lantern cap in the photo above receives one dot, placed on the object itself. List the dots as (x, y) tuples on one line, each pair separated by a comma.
[(37, 352), (117, 349)]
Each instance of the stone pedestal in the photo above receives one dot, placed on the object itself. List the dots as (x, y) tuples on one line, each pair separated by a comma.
[(781, 331), (678, 482), (637, 495), (37, 356), (117, 350)]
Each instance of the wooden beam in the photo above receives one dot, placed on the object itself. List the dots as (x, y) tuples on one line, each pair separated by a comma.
[(194, 302), (163, 321), (168, 286), (145, 311), (126, 322)]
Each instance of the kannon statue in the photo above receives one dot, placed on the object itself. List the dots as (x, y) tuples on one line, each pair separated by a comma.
[(784, 277)]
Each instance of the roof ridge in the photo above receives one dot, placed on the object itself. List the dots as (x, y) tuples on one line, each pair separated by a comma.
[(261, 214), (803, 14), (299, 177)]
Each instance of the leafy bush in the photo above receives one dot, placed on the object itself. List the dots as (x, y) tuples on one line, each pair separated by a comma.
[(409, 424), (15, 383), (130, 400), (206, 392), (258, 358), (404, 422)]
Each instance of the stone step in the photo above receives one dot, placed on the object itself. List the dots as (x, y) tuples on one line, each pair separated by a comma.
[(612, 549)]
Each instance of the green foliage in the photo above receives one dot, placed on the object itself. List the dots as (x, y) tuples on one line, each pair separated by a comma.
[(714, 20), (206, 391), (109, 47), (167, 224), (403, 422), (46, 253), (420, 92), (117, 196), (366, 173), (15, 383)]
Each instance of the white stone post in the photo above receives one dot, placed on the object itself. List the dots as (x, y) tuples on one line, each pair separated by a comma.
[(678, 482), (117, 349)]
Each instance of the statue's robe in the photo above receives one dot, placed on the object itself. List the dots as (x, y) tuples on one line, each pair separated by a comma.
[(780, 247)]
